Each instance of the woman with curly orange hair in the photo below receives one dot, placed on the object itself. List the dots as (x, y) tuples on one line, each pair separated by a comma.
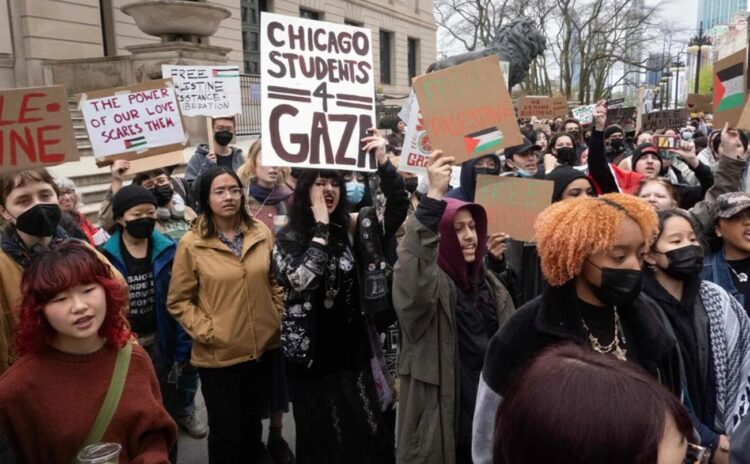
[(71, 333), (591, 252)]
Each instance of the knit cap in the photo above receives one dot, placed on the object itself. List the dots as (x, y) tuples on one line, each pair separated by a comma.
[(130, 196), (645, 149), (613, 129)]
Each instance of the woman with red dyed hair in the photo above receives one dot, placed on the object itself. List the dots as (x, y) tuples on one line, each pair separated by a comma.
[(590, 408), (70, 332)]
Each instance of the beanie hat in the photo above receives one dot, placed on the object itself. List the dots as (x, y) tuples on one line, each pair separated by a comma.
[(130, 196), (613, 129), (562, 176), (645, 149)]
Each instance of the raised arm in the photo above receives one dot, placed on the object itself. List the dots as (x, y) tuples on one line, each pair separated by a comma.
[(599, 169)]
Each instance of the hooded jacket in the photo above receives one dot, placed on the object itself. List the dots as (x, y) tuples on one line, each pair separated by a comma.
[(427, 283), (199, 162), (562, 176), (465, 191)]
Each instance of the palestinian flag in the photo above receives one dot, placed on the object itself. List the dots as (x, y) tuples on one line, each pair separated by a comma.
[(729, 88), (226, 72), (483, 142), (135, 142)]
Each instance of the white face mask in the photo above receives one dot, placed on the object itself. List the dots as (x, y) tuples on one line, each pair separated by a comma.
[(522, 172)]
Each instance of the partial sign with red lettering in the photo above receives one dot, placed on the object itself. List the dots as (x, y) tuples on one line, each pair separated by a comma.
[(133, 122), (35, 128), (416, 149), (467, 109), (317, 93), (513, 203)]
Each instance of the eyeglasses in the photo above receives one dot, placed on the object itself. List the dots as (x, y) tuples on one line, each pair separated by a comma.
[(234, 192), (68, 192)]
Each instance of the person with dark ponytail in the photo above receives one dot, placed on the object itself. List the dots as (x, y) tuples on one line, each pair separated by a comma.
[(333, 269)]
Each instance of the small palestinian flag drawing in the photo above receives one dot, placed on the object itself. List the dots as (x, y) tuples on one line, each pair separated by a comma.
[(229, 72), (135, 142), (483, 142), (729, 88)]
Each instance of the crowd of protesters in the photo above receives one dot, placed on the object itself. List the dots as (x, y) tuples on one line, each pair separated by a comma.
[(381, 311)]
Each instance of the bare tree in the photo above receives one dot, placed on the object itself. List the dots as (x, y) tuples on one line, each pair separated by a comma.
[(471, 23)]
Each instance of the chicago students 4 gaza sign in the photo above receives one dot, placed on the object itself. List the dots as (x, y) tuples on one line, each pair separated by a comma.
[(317, 99)]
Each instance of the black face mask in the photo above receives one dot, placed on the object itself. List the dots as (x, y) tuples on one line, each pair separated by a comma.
[(223, 138), (488, 171), (620, 287), (567, 156), (163, 194), (411, 184), (140, 228), (40, 220), (574, 134), (616, 144), (684, 262)]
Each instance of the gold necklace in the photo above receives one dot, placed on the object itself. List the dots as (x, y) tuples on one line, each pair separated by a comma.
[(613, 348)]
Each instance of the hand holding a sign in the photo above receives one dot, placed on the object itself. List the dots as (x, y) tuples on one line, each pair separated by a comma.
[(439, 174), (600, 115), (378, 143), (497, 244), (119, 170)]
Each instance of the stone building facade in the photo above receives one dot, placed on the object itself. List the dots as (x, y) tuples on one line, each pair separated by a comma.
[(33, 32)]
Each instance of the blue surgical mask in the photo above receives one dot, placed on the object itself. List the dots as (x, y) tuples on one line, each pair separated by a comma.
[(355, 191)]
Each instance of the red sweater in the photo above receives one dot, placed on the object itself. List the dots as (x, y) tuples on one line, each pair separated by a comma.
[(48, 403)]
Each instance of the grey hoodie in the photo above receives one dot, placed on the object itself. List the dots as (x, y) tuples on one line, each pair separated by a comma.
[(199, 162)]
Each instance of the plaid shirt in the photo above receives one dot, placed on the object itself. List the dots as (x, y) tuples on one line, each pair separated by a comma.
[(235, 246)]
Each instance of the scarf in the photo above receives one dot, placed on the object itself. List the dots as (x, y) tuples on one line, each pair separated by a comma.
[(14, 247), (729, 330)]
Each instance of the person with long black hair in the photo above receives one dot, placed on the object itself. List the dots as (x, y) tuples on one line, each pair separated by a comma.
[(333, 270), (224, 295)]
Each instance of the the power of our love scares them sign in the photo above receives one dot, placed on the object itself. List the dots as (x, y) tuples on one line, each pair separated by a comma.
[(135, 122), (212, 91), (317, 93)]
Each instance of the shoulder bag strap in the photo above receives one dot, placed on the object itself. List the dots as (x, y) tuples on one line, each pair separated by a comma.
[(112, 400)]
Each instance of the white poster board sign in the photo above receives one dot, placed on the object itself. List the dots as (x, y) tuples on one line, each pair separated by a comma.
[(416, 149), (143, 119), (584, 114), (211, 91), (317, 93)]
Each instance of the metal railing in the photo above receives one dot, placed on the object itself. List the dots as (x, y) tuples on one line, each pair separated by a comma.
[(249, 122)]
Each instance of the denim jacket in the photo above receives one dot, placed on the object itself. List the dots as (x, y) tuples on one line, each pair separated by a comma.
[(716, 270)]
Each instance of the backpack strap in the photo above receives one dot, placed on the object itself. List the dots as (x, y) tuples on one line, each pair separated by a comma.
[(112, 399)]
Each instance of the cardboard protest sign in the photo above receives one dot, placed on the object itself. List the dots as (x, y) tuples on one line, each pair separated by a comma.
[(133, 122), (405, 110), (317, 93), (667, 119), (584, 114), (416, 149), (467, 109), (35, 128), (729, 89), (542, 107), (211, 91), (622, 116), (512, 203), (172, 158), (697, 103)]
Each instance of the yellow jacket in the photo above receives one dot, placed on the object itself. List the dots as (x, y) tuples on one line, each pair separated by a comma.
[(230, 306)]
